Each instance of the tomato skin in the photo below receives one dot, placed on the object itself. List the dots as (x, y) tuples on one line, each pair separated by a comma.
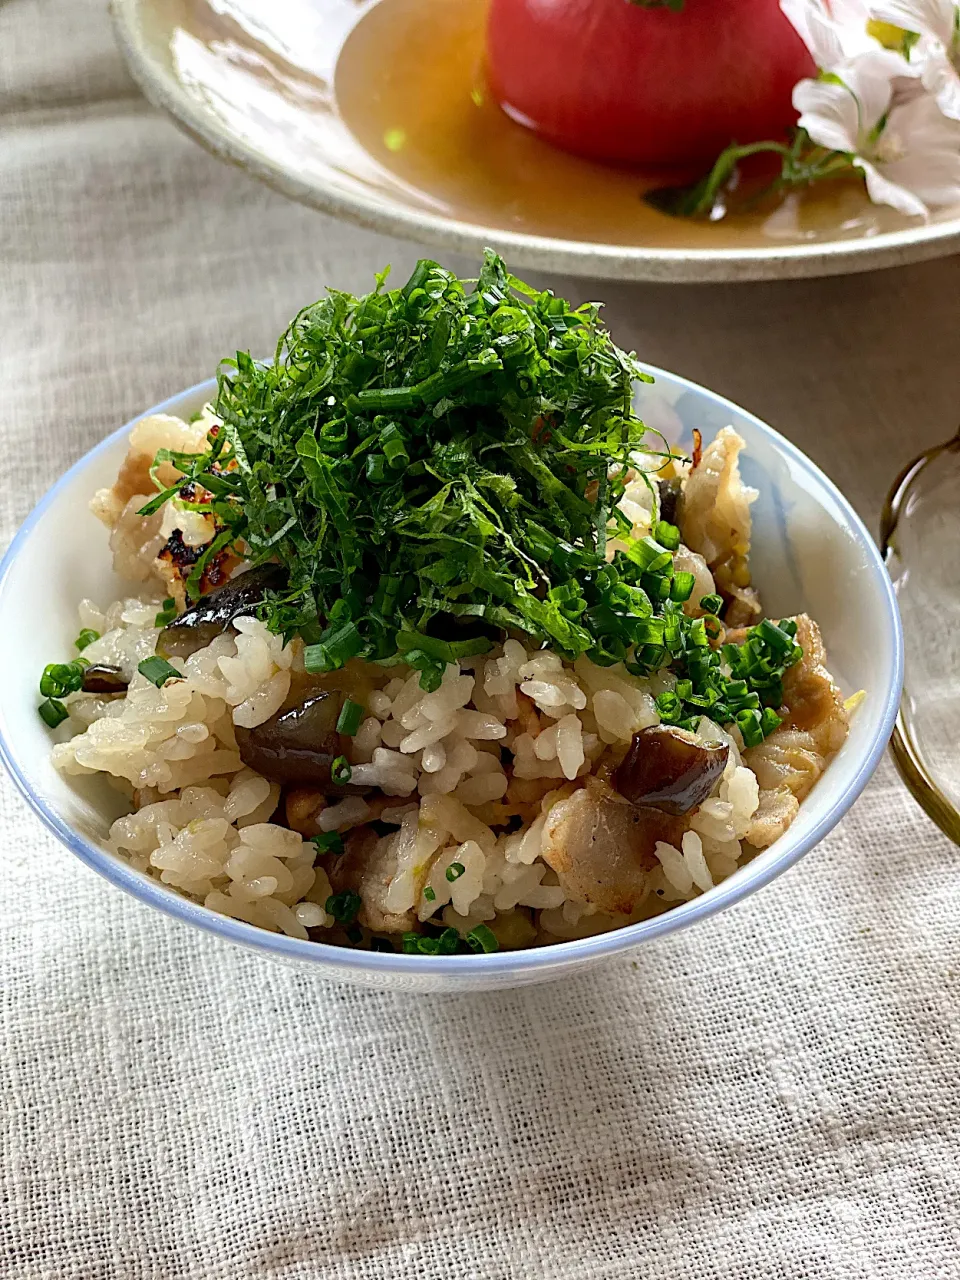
[(613, 81)]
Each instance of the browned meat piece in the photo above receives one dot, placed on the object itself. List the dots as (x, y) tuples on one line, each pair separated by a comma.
[(744, 608), (602, 847), (777, 810), (810, 694), (687, 561), (157, 432), (367, 868), (815, 726), (789, 760), (714, 512)]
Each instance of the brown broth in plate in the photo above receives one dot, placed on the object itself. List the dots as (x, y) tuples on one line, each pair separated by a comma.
[(388, 99), (411, 87)]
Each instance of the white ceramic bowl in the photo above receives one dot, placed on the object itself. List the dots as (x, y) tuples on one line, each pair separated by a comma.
[(811, 552)]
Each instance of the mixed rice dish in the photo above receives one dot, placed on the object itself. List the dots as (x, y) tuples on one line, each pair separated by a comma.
[(434, 646)]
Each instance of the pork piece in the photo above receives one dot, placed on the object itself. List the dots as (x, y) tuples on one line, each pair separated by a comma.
[(815, 724), (777, 809), (813, 702), (687, 561), (136, 541), (302, 808), (160, 431), (367, 867), (669, 769), (714, 519), (602, 847)]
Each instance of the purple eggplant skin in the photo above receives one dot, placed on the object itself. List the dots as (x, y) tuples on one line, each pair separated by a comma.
[(670, 770), (213, 613), (296, 747), (101, 677)]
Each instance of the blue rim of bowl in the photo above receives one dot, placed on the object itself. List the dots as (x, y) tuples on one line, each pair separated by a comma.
[(753, 876)]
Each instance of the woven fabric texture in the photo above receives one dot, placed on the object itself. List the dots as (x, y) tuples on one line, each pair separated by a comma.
[(771, 1094)]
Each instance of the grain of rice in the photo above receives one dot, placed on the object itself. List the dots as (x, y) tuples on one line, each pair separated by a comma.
[(569, 746), (348, 813), (675, 869), (481, 789), (392, 734), (366, 740), (379, 704), (434, 758), (696, 864)]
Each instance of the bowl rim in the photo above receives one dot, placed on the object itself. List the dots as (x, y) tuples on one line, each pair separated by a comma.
[(753, 876), (912, 243)]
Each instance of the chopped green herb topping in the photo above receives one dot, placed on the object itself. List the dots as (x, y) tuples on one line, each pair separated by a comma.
[(445, 944), (158, 671), (455, 871), (448, 942), (437, 464), (435, 457), (350, 716), (167, 613), (430, 894), (61, 678), (328, 842), (481, 938), (86, 636), (748, 695), (340, 771), (343, 906), (52, 712)]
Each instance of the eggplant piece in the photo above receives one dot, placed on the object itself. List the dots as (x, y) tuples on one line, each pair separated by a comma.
[(669, 499), (213, 613), (101, 677), (670, 770), (297, 747)]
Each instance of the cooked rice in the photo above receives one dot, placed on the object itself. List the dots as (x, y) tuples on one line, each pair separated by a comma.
[(207, 826), (203, 822)]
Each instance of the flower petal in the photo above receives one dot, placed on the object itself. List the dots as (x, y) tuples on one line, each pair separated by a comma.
[(929, 165), (940, 77), (871, 78), (833, 32), (882, 191), (926, 17), (829, 114)]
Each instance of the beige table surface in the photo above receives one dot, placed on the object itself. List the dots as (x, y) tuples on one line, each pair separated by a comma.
[(772, 1094)]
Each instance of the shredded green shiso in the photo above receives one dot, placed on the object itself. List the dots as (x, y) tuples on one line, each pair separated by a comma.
[(435, 459), (439, 464)]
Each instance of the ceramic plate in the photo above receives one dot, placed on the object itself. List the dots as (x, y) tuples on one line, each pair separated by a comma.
[(377, 111)]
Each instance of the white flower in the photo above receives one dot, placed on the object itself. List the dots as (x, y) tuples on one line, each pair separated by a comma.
[(835, 31), (936, 55), (907, 150)]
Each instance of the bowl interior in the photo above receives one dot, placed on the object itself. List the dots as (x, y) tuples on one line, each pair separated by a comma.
[(810, 553)]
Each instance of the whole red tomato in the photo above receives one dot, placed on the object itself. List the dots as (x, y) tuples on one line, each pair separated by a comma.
[(621, 81)]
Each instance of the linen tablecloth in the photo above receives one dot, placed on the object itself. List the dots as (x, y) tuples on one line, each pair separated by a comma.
[(773, 1093)]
